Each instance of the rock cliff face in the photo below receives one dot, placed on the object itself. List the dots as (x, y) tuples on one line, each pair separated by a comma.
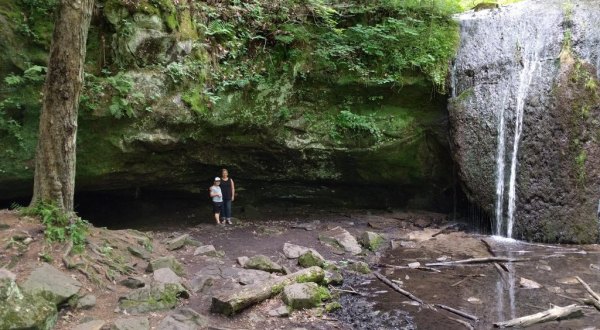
[(524, 118), (164, 107)]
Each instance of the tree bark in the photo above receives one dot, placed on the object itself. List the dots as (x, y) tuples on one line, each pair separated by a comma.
[(54, 180)]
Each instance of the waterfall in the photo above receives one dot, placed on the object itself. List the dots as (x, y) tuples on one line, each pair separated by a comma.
[(530, 63), (500, 169)]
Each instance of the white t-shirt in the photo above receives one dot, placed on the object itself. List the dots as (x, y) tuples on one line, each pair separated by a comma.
[(216, 190)]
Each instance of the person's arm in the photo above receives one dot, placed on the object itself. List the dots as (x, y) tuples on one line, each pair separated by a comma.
[(232, 190), (213, 193)]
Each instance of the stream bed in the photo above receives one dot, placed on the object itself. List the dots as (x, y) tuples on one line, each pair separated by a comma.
[(491, 292)]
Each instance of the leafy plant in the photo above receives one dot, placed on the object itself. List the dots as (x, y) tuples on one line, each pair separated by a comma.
[(349, 122), (60, 227)]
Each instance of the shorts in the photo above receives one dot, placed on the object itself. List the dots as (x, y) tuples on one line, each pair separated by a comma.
[(217, 206)]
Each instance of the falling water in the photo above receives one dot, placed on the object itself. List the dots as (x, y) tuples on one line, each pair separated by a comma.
[(500, 169), (530, 63)]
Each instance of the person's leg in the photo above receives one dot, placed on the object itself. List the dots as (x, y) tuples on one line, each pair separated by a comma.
[(227, 210), (217, 218)]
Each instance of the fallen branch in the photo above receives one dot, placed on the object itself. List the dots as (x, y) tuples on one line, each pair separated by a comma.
[(458, 312), (554, 313), (347, 291), (397, 288), (428, 269), (589, 290), (465, 323), (466, 278), (475, 261), (592, 302)]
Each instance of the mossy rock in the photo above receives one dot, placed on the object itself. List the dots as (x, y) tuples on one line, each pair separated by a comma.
[(371, 240), (311, 258), (486, 5), (166, 262), (23, 310), (157, 297), (332, 306), (360, 267), (304, 295), (264, 263)]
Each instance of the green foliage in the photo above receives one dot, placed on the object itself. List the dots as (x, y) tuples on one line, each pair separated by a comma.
[(60, 227), (357, 125), (34, 74), (580, 161), (123, 100)]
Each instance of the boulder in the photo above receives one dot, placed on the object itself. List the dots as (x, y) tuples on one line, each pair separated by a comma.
[(159, 296), (242, 260), (262, 262), (86, 302), (132, 323), (139, 252), (177, 242), (293, 251), (206, 250), (303, 295), (21, 310), (371, 240), (201, 283), (360, 267), (166, 275), (311, 258), (132, 282), (166, 262), (341, 238), (52, 284), (333, 277), (184, 319), (280, 311), (252, 276), (91, 325)]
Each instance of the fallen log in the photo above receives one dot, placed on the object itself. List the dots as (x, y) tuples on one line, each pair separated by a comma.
[(427, 269), (554, 313), (589, 290), (465, 323), (397, 288), (475, 261), (231, 302), (458, 312)]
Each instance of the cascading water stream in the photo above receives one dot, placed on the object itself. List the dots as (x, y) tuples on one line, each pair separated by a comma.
[(500, 169), (530, 64)]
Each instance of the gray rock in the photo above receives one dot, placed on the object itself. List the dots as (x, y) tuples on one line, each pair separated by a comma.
[(184, 319), (206, 250), (202, 283), (371, 240), (52, 284), (132, 323), (281, 311), (340, 237), (166, 262), (86, 302), (156, 297), (302, 295), (139, 252), (166, 275), (6, 274), (360, 267), (405, 244), (262, 262), (132, 282), (91, 325), (333, 278), (293, 251), (21, 310), (311, 258), (252, 276), (242, 260), (177, 242), (193, 242)]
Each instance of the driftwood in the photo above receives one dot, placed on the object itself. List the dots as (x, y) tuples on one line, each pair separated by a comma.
[(465, 323), (595, 301), (458, 312), (397, 288), (554, 313), (475, 261), (231, 302), (428, 269)]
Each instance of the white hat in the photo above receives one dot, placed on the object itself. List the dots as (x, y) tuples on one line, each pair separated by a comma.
[(217, 179)]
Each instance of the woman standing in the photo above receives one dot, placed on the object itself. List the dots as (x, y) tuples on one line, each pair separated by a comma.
[(217, 198), (228, 191)]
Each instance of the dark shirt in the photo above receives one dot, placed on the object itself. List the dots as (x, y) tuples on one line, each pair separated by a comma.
[(226, 189)]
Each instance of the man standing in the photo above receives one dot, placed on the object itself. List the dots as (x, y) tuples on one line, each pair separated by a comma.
[(228, 191)]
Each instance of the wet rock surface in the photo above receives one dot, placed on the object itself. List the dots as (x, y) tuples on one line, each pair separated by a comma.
[(518, 76)]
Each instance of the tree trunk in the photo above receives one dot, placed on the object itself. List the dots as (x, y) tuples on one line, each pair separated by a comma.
[(54, 180)]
